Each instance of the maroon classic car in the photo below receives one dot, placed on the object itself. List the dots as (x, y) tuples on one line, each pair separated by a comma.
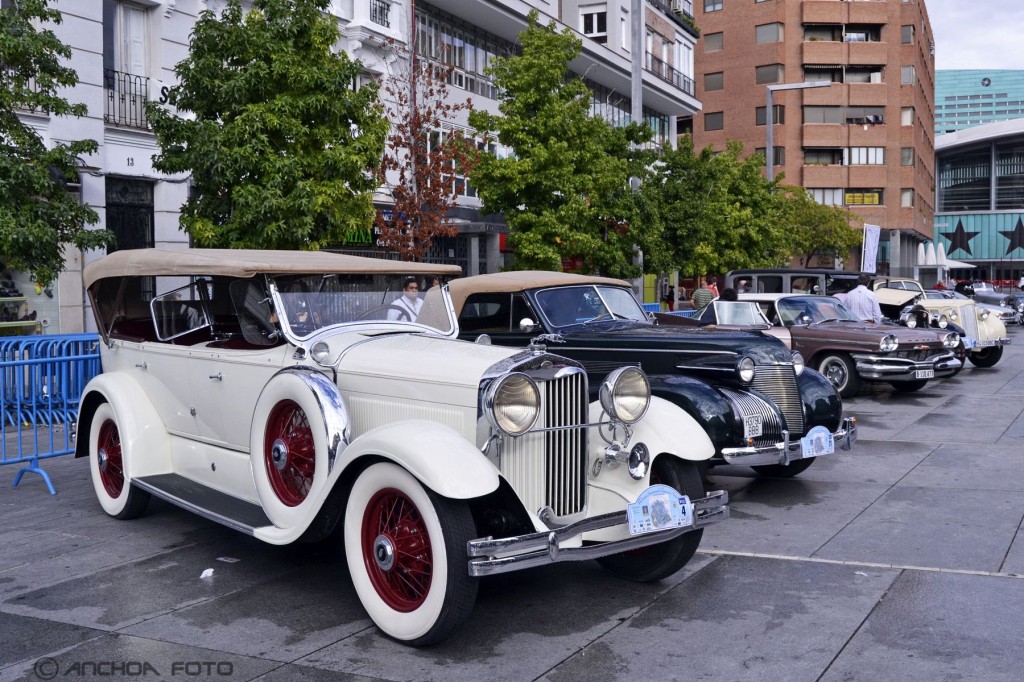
[(840, 346)]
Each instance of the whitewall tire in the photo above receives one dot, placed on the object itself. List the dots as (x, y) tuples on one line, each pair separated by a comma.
[(109, 468)]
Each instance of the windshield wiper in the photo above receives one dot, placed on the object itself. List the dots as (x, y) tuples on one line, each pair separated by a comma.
[(827, 319), (606, 315)]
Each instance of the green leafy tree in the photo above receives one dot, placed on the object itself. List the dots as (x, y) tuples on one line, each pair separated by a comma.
[(283, 152), (819, 229), (565, 190), (38, 218), (720, 212)]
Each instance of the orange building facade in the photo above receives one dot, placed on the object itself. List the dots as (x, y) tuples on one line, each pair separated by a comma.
[(865, 142)]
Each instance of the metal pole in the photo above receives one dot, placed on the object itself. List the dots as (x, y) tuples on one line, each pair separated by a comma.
[(769, 166)]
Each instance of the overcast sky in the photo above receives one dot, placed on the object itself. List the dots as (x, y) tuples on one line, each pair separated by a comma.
[(977, 34)]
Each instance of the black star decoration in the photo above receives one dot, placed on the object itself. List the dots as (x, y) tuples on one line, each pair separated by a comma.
[(960, 239), (1016, 237)]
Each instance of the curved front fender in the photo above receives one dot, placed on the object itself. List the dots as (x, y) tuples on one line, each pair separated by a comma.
[(435, 454), (665, 428)]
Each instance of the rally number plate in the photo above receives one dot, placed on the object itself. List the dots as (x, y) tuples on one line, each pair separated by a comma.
[(660, 507), (818, 441)]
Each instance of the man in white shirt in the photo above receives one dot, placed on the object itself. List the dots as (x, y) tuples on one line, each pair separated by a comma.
[(407, 306), (863, 302)]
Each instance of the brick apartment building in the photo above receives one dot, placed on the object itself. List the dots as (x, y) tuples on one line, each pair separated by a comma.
[(866, 141)]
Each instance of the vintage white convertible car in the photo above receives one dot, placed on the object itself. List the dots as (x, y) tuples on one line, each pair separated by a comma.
[(289, 395)]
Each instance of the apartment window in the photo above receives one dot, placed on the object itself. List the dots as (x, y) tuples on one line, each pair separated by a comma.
[(823, 157), (713, 5), (826, 33), (819, 73), (908, 75), (778, 115), (865, 115), (907, 156), (768, 33), (864, 156), (624, 33), (779, 158), (714, 121), (907, 34), (863, 74), (713, 81), (125, 64), (829, 196), (130, 48), (713, 42), (862, 34), (594, 22), (907, 116), (907, 198), (823, 114), (863, 197), (769, 73)]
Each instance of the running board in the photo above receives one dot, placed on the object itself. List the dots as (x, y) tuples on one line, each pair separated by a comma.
[(204, 501)]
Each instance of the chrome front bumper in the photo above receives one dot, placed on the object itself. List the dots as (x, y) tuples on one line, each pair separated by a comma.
[(787, 451), (900, 369), (538, 549)]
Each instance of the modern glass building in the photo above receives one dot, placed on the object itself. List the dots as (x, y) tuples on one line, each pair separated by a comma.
[(979, 213), (972, 97)]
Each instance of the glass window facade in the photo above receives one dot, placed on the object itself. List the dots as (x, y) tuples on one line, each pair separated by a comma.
[(965, 181)]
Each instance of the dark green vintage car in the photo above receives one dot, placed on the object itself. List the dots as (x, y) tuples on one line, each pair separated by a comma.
[(750, 395)]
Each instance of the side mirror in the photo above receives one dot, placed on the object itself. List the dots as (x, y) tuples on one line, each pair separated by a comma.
[(527, 325)]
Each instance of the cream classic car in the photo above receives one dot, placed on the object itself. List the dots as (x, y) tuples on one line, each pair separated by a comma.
[(287, 395)]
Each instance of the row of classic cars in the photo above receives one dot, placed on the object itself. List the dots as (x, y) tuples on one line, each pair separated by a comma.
[(285, 395)]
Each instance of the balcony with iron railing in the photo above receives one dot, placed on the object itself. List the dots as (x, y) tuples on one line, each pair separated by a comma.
[(126, 99), (667, 73)]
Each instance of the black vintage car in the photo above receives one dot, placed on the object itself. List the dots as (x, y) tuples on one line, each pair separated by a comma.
[(748, 394)]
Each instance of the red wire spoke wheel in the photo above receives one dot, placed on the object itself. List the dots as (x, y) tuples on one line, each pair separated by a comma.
[(109, 459), (396, 550), (289, 453)]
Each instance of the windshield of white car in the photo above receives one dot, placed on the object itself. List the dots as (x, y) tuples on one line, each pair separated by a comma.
[(813, 309), (737, 313), (567, 306), (314, 302)]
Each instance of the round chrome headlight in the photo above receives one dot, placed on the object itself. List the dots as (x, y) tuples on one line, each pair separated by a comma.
[(798, 363), (745, 369), (512, 404), (626, 394), (943, 322), (888, 343), (983, 313), (953, 316), (951, 340), (1020, 307), (320, 352)]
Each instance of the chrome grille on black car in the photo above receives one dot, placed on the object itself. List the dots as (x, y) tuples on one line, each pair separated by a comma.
[(778, 382), (549, 468), (750, 405)]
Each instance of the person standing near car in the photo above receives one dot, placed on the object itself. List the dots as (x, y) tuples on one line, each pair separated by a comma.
[(863, 302), (703, 296)]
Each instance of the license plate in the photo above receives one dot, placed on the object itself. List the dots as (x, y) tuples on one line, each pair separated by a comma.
[(924, 374), (752, 426), (818, 441), (969, 342), (660, 507)]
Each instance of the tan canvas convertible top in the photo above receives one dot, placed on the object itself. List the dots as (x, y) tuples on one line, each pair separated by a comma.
[(511, 282), (249, 262)]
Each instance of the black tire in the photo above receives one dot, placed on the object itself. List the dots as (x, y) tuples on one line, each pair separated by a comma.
[(110, 470), (908, 386), (841, 372), (784, 470), (657, 562), (406, 551), (986, 357)]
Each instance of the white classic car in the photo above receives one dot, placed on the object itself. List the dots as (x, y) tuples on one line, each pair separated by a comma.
[(288, 395)]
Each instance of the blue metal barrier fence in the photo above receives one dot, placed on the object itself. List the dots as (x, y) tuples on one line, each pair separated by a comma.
[(41, 382)]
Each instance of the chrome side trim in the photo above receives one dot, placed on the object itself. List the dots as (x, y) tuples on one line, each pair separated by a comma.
[(543, 548)]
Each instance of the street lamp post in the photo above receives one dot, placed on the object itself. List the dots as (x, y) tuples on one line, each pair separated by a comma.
[(769, 151)]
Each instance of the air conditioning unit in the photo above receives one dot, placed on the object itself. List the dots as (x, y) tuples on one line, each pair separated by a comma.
[(876, 77), (677, 5)]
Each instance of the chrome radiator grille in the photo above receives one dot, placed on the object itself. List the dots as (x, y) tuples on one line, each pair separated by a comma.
[(750, 405), (969, 320), (778, 382), (549, 468)]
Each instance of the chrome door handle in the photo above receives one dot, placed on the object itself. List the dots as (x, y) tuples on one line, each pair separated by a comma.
[(217, 376), (142, 365)]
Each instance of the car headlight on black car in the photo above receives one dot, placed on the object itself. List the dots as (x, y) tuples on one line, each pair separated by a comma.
[(745, 369), (798, 363), (951, 340), (1020, 307), (888, 343), (512, 404), (626, 394), (941, 321)]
